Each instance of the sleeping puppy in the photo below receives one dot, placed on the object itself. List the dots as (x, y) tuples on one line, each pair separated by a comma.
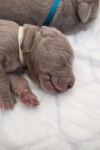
[(45, 53), (71, 15)]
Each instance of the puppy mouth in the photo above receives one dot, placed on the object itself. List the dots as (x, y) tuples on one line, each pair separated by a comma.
[(56, 88), (49, 85)]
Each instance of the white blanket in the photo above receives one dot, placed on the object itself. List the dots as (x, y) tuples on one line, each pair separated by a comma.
[(70, 121)]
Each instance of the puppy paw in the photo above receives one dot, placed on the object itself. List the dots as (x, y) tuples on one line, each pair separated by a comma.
[(29, 99), (6, 103)]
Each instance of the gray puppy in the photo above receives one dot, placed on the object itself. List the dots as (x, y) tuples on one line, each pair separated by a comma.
[(71, 15), (45, 52)]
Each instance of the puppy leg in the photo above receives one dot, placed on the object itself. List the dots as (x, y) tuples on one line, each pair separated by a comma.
[(7, 100), (21, 88)]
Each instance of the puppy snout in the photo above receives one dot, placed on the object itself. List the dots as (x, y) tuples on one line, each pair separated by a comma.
[(63, 84), (56, 83), (66, 86)]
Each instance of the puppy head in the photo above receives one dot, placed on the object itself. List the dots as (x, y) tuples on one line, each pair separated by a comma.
[(87, 9), (50, 61)]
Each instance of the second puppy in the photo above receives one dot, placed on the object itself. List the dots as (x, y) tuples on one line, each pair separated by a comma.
[(70, 16)]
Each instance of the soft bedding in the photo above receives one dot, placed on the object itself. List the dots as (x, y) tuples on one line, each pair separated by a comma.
[(70, 121)]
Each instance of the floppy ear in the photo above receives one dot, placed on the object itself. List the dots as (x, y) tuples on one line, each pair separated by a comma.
[(30, 32), (84, 11)]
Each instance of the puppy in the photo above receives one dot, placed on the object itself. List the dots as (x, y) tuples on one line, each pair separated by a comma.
[(70, 16), (45, 53)]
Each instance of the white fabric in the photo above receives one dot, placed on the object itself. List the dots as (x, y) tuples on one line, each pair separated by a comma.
[(20, 40), (70, 121)]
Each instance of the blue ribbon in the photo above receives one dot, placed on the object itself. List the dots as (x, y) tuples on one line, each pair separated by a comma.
[(52, 12)]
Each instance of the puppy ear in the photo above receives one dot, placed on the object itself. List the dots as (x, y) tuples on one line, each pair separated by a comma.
[(30, 32), (84, 11)]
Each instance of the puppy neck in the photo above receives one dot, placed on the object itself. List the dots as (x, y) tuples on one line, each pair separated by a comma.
[(26, 36)]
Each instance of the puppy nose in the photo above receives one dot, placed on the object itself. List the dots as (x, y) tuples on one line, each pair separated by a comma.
[(70, 84), (65, 86)]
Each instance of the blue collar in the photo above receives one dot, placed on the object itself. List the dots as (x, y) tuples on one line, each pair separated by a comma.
[(52, 12)]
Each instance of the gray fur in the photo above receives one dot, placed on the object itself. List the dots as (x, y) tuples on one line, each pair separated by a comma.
[(49, 62)]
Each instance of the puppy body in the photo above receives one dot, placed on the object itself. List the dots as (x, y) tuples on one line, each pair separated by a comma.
[(9, 45), (47, 55), (9, 61), (71, 15)]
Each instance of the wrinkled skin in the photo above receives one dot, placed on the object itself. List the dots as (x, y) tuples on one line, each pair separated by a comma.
[(52, 65)]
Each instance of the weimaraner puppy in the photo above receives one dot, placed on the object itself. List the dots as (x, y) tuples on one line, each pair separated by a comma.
[(43, 51), (66, 15)]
